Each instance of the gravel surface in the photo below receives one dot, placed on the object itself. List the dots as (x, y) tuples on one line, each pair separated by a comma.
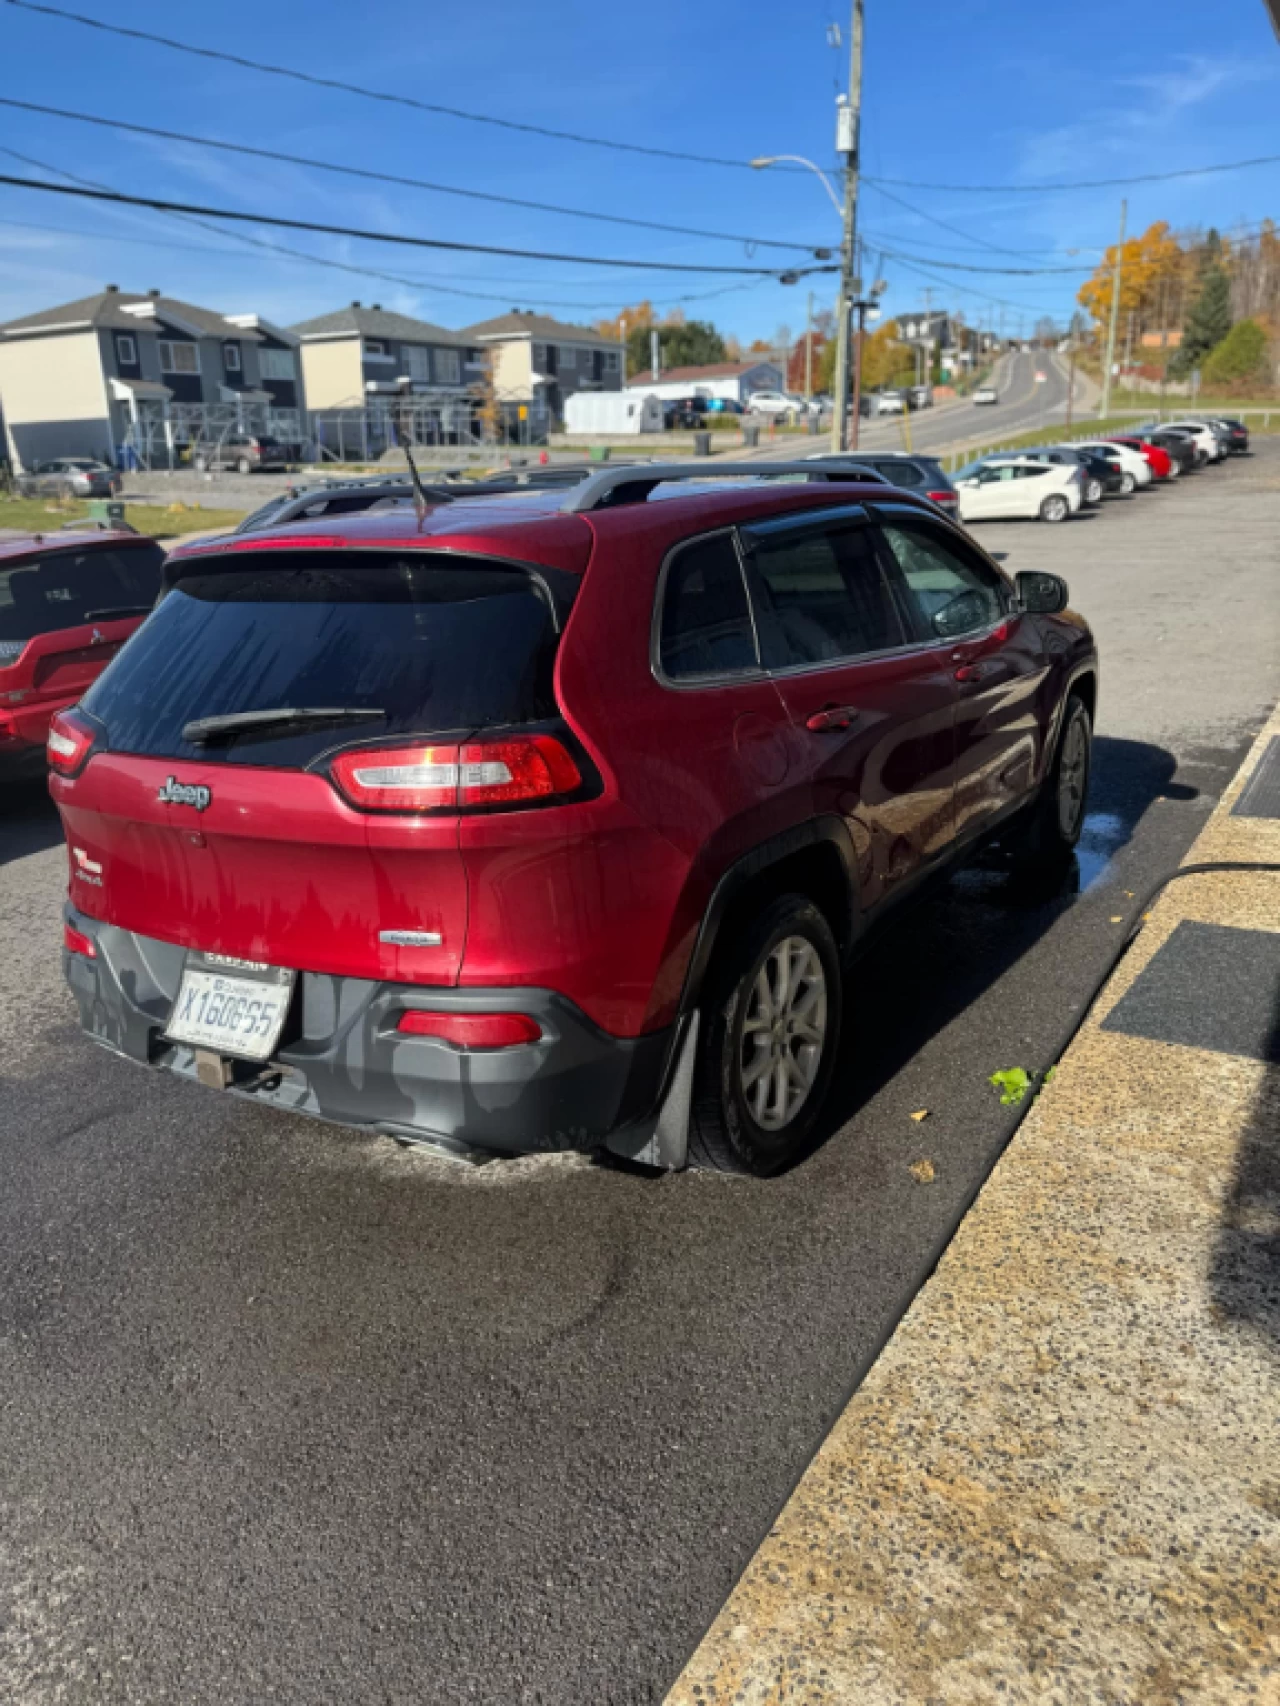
[(289, 1414)]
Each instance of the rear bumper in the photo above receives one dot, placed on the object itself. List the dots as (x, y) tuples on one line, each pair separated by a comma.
[(342, 1059)]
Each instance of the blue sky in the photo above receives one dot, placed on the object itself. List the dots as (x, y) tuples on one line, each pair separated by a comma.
[(990, 92)]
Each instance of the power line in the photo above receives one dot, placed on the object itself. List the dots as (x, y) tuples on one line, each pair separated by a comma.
[(944, 225), (375, 94), (968, 290), (1052, 189), (963, 266), (161, 205), (310, 162)]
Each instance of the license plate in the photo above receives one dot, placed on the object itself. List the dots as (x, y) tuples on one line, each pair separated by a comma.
[(233, 1007)]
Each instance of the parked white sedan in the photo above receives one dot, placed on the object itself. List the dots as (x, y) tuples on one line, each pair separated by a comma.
[(1019, 487), (1135, 470)]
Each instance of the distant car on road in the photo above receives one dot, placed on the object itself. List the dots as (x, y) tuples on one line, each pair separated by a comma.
[(243, 451), (1020, 486), (921, 396), (883, 403), (778, 403), (69, 476), (986, 394)]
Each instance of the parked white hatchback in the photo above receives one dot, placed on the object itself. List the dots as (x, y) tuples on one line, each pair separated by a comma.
[(1019, 487), (1135, 470)]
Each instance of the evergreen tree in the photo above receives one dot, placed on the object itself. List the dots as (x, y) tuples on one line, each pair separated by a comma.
[(1241, 359), (1210, 318)]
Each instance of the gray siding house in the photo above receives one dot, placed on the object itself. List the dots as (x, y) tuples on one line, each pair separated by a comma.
[(119, 376), (375, 378), (538, 361)]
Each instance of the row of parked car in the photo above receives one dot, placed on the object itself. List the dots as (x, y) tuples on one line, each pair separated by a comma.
[(1053, 482)]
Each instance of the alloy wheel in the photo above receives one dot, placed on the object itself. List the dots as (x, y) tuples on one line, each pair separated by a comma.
[(1073, 776), (784, 1033)]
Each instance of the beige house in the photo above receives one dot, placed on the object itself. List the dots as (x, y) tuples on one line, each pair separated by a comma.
[(538, 362)]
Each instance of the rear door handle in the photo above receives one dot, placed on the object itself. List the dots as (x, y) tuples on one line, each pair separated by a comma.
[(832, 718)]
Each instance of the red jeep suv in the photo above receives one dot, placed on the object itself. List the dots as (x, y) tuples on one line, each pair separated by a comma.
[(554, 821)]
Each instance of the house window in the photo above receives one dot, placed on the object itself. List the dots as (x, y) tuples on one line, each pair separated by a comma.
[(611, 358), (448, 367), (568, 358), (539, 358), (126, 350), (276, 364), (231, 357), (417, 363), (375, 349), (179, 358)]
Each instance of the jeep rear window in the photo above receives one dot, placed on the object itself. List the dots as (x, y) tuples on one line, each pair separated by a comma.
[(67, 589), (437, 643)]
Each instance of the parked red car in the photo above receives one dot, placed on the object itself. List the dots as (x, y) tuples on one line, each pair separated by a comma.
[(68, 602), (557, 820), (1159, 461)]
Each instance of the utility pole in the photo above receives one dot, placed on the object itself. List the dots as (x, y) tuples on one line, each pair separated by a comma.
[(808, 348), (848, 120), (655, 354), (1104, 406)]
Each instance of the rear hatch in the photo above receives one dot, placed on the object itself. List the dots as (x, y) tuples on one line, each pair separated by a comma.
[(64, 613), (238, 839)]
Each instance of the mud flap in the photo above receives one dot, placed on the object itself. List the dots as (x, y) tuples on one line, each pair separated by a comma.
[(663, 1139)]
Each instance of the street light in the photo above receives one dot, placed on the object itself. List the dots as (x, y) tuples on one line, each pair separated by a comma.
[(799, 160)]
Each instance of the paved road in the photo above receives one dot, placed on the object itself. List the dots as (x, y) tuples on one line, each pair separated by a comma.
[(291, 1415), (1024, 405)]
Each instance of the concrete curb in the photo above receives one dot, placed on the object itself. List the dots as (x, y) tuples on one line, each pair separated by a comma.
[(1061, 1480)]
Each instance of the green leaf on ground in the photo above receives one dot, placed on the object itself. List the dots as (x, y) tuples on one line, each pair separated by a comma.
[(1012, 1084)]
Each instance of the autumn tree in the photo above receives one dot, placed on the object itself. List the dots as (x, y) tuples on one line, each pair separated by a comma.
[(1149, 264)]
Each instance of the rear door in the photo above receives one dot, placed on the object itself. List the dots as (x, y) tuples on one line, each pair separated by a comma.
[(239, 843), (871, 709), (994, 655)]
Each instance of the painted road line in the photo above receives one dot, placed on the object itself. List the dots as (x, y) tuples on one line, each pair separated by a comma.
[(1061, 1479)]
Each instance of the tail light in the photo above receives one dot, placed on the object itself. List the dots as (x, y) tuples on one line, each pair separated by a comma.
[(519, 772), (942, 497), (472, 1030), (76, 942), (71, 740)]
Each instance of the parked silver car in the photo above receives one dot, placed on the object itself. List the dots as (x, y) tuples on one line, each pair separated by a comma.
[(243, 451), (69, 477)]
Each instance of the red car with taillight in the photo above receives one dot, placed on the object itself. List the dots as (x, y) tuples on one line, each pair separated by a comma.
[(68, 602), (555, 820), (1159, 461)]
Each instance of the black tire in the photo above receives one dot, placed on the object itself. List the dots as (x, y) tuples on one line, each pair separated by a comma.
[(1049, 835), (725, 1129), (1055, 508)]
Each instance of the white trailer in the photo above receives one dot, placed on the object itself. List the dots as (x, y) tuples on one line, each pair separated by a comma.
[(612, 412)]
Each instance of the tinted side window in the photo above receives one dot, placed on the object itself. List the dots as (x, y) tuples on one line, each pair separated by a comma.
[(938, 571), (706, 622), (900, 473), (822, 596), (68, 588)]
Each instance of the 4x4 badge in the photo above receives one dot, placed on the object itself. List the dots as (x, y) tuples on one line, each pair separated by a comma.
[(175, 793)]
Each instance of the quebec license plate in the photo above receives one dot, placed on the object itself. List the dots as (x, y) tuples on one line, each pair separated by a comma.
[(230, 1006)]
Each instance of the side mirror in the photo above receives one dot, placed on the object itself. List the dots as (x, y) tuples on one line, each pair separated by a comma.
[(960, 616), (1041, 594)]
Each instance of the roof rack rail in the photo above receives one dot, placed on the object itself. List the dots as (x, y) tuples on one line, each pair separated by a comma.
[(612, 486)]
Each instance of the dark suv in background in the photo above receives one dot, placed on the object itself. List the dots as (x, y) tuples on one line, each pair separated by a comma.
[(554, 819)]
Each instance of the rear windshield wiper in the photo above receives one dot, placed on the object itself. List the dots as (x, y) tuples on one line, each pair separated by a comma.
[(239, 722), (117, 610)]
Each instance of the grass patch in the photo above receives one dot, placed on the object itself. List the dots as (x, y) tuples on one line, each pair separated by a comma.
[(44, 515)]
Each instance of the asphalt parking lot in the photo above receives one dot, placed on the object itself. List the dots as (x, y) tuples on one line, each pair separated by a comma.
[(289, 1414)]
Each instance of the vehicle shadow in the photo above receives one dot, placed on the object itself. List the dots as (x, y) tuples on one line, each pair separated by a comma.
[(972, 931), (1244, 1275), (29, 821)]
